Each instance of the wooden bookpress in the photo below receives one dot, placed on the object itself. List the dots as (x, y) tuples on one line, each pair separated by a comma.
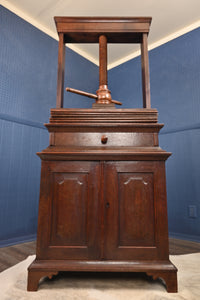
[(103, 192)]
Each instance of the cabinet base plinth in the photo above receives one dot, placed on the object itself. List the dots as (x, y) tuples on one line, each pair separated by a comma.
[(157, 269)]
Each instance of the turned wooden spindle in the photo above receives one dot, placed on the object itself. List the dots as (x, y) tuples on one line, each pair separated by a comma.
[(103, 93), (103, 60)]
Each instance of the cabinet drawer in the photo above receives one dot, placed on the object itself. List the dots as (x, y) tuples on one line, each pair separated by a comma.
[(93, 139)]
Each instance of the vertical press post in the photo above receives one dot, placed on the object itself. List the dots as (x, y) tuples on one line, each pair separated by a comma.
[(103, 60), (61, 71), (103, 94), (145, 72)]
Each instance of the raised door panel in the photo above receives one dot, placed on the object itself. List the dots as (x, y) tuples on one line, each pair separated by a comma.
[(70, 209), (136, 209), (69, 220), (136, 215)]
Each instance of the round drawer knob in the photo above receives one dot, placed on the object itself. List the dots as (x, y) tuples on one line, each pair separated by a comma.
[(104, 139)]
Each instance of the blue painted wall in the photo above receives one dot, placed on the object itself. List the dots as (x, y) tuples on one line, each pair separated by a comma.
[(28, 64), (175, 92)]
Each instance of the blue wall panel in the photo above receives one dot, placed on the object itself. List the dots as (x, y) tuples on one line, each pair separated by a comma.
[(28, 78), (175, 92), (175, 81), (19, 178), (28, 60), (124, 81), (183, 188), (81, 75)]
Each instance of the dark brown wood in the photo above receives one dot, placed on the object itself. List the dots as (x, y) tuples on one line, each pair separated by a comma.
[(103, 60), (145, 72), (34, 278), (103, 265), (117, 210), (170, 279), (69, 221), (103, 192), (82, 93), (164, 270), (135, 219), (61, 71), (88, 29), (103, 93), (105, 118)]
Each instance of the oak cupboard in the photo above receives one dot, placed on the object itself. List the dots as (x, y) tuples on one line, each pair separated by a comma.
[(103, 190)]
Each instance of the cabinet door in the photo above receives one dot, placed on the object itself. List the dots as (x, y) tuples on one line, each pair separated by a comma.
[(136, 214), (68, 225)]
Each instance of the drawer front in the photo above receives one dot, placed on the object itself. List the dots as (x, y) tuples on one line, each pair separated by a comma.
[(93, 139)]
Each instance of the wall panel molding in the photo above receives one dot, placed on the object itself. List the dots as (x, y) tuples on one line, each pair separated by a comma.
[(17, 120), (18, 240), (186, 237), (179, 129)]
